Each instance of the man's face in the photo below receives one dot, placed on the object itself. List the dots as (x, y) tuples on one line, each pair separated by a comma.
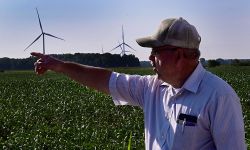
[(163, 60)]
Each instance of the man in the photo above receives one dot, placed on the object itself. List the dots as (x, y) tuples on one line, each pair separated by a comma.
[(185, 107)]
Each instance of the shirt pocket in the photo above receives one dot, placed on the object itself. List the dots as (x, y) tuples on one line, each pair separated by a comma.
[(186, 133), (188, 129)]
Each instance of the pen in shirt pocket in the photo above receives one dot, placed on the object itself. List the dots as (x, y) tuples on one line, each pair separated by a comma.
[(186, 120)]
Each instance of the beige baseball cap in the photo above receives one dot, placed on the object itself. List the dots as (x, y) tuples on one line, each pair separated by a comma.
[(174, 32)]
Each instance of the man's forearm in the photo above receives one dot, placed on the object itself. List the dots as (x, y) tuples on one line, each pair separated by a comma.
[(93, 77)]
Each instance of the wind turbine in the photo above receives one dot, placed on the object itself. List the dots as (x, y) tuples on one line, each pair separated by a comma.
[(102, 50), (42, 34), (122, 45)]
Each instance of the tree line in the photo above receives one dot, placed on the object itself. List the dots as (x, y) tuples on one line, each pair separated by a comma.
[(94, 59), (220, 61)]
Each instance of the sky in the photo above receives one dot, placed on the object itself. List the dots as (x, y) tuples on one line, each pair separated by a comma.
[(90, 26)]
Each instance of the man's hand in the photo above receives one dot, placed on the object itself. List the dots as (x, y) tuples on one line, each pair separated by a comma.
[(45, 63)]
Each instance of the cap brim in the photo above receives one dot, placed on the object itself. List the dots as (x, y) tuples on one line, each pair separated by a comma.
[(148, 42)]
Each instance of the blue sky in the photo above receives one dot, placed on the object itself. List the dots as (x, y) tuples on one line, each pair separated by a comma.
[(90, 25)]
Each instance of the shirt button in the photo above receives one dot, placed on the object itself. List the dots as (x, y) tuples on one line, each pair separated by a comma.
[(162, 136), (179, 94)]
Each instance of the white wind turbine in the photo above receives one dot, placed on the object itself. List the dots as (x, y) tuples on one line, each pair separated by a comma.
[(42, 34), (122, 45)]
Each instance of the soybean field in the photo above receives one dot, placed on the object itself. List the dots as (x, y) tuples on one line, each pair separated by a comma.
[(54, 112)]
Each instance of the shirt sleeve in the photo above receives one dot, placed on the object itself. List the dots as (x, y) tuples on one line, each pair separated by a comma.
[(127, 89), (227, 126)]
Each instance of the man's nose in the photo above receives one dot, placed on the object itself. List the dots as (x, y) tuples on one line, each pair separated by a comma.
[(151, 57)]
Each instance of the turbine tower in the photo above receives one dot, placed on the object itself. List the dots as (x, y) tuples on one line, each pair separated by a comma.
[(122, 45), (42, 34)]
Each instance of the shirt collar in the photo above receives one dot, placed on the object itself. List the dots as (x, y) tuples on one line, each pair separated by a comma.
[(193, 81)]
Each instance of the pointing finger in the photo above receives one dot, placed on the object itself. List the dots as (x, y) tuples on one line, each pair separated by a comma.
[(40, 64), (38, 55)]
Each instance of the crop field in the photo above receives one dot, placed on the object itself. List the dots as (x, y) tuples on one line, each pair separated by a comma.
[(53, 112)]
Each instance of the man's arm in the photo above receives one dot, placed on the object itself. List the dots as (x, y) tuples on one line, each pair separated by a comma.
[(93, 77)]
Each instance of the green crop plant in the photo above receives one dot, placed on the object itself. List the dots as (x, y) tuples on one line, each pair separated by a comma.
[(53, 112)]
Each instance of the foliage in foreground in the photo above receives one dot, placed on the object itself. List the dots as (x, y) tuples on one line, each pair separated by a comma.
[(53, 112)]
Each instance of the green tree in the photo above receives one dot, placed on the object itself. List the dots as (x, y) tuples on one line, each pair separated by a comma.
[(213, 63)]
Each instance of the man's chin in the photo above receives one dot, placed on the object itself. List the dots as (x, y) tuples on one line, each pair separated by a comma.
[(157, 74), (154, 69)]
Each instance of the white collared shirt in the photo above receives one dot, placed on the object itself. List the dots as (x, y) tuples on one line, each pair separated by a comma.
[(211, 109)]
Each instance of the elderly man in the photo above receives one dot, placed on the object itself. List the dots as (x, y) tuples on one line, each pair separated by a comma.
[(185, 106)]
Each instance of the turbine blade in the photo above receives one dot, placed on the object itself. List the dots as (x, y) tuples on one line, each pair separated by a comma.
[(33, 42), (39, 20), (120, 45), (54, 36), (115, 47), (129, 46), (122, 34)]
